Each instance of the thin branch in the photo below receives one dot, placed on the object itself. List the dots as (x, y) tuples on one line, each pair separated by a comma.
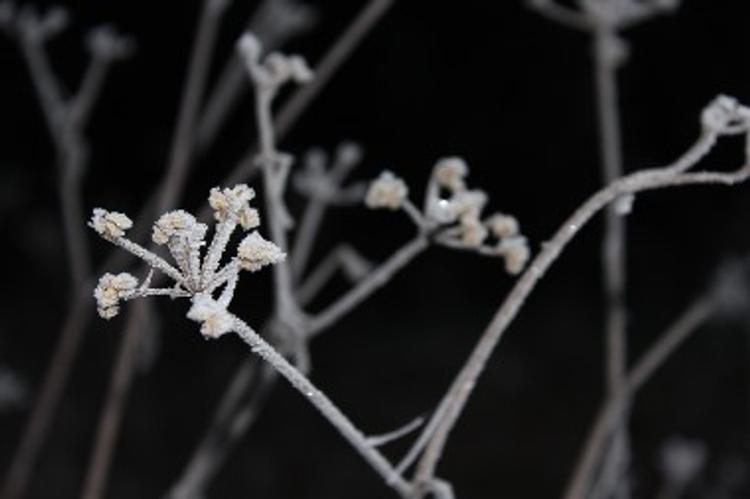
[(463, 385), (326, 407), (333, 59), (342, 257), (377, 279), (171, 187), (610, 413)]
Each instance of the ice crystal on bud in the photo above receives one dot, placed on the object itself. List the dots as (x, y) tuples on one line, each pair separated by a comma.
[(110, 224), (197, 276), (214, 318), (111, 290), (254, 252), (387, 191)]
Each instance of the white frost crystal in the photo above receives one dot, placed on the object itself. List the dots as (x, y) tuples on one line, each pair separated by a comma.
[(110, 224), (214, 318), (387, 191), (111, 290), (255, 252)]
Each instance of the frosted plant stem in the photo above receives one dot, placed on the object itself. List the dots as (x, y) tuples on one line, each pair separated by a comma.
[(66, 122), (611, 411), (321, 275), (171, 187), (363, 289), (465, 381), (333, 59), (235, 417), (326, 407), (613, 252)]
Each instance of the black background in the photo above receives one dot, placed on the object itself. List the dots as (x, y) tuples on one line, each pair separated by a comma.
[(489, 81)]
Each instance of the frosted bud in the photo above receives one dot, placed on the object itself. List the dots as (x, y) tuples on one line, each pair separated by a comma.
[(441, 211), (473, 233), (111, 290), (469, 204), (105, 42), (173, 223), (110, 224), (249, 47), (387, 191), (515, 252), (502, 225), (234, 203), (450, 173), (214, 318), (725, 115), (254, 252), (299, 70), (349, 153), (682, 459)]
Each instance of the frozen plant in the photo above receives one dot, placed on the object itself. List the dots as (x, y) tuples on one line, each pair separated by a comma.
[(452, 213), (196, 276)]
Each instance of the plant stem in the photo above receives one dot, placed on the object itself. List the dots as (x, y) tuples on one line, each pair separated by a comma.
[(464, 383)]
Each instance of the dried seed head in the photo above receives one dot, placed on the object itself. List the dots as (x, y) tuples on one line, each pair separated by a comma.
[(473, 233), (111, 290), (214, 318), (469, 204), (254, 252), (387, 191), (110, 224)]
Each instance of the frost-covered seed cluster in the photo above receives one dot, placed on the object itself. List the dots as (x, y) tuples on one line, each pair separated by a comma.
[(453, 213), (387, 191), (199, 273), (274, 69)]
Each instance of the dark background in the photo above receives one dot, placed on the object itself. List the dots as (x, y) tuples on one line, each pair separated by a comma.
[(490, 81)]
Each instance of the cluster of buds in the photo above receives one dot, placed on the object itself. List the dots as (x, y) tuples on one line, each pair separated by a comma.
[(275, 69), (452, 213), (725, 116), (197, 274)]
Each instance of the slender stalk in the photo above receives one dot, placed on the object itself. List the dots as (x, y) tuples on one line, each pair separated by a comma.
[(610, 413), (613, 251), (463, 385), (363, 289), (333, 59), (171, 187), (326, 407)]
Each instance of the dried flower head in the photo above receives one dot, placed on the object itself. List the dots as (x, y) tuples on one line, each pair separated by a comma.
[(111, 290), (387, 191), (110, 224), (275, 69), (254, 252)]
